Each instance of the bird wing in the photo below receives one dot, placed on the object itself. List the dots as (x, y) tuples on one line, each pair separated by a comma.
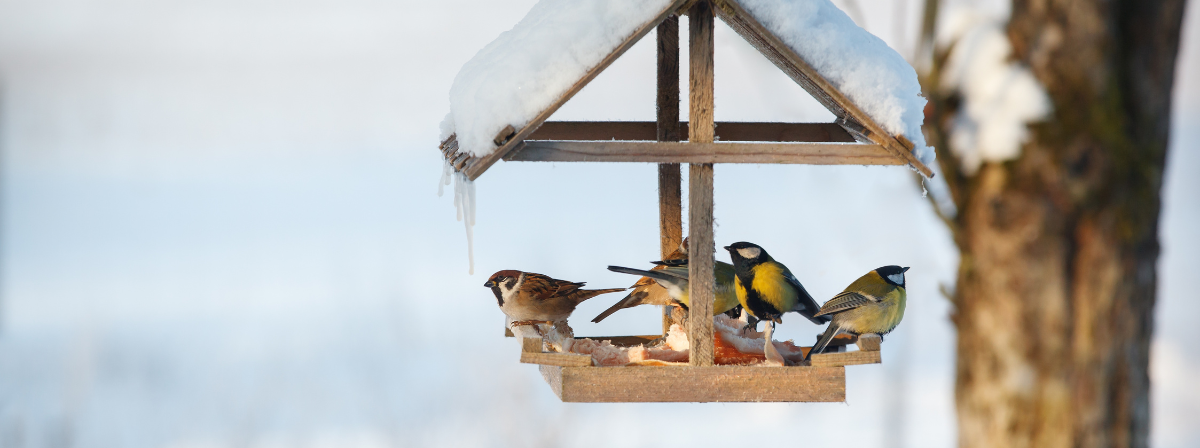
[(805, 305), (844, 301), (542, 287)]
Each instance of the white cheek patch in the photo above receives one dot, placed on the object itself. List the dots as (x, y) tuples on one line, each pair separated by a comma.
[(750, 252), (897, 278)]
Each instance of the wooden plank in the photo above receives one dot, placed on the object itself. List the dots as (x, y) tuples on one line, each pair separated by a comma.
[(846, 359), (696, 384), (624, 341), (531, 353), (799, 70), (869, 342), (700, 185), (718, 152), (725, 131), (481, 164), (670, 189)]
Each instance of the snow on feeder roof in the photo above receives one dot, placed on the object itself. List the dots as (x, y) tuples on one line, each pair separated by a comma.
[(505, 93), (502, 97)]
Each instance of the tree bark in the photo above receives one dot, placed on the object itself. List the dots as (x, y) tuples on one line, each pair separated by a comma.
[(1056, 288)]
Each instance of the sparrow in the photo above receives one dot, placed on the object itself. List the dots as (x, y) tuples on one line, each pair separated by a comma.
[(766, 288), (872, 304), (647, 291), (530, 299), (673, 276)]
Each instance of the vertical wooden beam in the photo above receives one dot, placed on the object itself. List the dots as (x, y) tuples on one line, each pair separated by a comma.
[(700, 185), (670, 191)]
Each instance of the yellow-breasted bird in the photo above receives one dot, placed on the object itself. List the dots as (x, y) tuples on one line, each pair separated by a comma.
[(647, 291), (766, 288), (872, 304), (674, 278)]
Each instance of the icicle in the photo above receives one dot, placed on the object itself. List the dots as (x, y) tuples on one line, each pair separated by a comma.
[(446, 173), (464, 205)]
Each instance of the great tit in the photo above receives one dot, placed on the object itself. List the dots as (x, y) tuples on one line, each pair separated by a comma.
[(766, 288), (674, 277), (872, 304)]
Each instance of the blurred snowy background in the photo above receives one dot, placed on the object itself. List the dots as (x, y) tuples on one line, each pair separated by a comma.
[(220, 228)]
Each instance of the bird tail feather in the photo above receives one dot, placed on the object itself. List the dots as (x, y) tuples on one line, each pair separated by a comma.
[(826, 338), (624, 303), (589, 293)]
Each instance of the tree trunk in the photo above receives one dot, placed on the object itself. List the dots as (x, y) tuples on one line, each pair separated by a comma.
[(1056, 288)]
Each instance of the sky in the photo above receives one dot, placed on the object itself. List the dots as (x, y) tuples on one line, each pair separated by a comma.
[(220, 228)]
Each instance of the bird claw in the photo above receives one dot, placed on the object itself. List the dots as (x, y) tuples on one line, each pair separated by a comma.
[(535, 324)]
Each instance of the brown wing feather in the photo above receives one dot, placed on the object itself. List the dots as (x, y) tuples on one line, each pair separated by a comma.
[(542, 287)]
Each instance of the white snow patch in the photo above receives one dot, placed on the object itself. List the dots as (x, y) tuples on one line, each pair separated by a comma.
[(527, 68), (447, 127), (1000, 97), (872, 75)]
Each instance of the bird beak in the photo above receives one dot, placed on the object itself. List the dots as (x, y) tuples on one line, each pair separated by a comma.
[(728, 248), (903, 270), (489, 284)]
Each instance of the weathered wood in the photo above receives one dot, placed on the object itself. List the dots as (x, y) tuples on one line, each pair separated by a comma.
[(846, 358), (724, 130), (804, 74), (696, 384), (481, 164), (700, 185), (869, 342), (504, 135), (624, 341), (667, 125), (718, 152), (531, 353)]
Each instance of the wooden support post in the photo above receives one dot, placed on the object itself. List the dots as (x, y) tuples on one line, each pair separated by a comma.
[(670, 190), (700, 185)]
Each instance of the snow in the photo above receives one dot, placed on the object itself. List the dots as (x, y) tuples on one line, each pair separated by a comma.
[(1000, 97), (863, 67), (523, 71)]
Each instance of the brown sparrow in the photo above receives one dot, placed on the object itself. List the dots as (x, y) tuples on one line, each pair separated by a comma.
[(531, 299), (647, 291)]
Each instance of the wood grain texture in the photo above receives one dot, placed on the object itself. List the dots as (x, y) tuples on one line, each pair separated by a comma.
[(804, 74), (701, 261), (846, 358), (481, 164), (624, 341), (696, 384), (531, 353), (700, 185), (718, 152), (869, 342), (667, 125), (737, 131)]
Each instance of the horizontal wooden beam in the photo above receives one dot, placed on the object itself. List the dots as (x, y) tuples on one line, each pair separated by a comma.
[(847, 358), (696, 384), (719, 152), (726, 131)]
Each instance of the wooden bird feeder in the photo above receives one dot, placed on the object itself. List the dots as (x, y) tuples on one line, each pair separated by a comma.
[(854, 138)]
